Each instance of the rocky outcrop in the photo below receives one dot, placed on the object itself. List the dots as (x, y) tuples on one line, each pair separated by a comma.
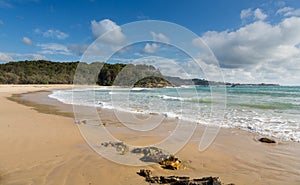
[(153, 82), (266, 140)]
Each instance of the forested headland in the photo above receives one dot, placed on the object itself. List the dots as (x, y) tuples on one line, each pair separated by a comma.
[(47, 72), (97, 73)]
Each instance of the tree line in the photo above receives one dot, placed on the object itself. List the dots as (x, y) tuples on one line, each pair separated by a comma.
[(96, 73), (48, 72)]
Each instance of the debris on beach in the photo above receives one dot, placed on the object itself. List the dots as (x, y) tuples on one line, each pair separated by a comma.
[(157, 155), (178, 180), (151, 154), (266, 140), (81, 122), (171, 162), (119, 146), (145, 173)]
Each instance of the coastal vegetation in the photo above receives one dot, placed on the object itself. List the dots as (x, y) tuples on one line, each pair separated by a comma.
[(96, 73), (48, 72), (153, 82), (37, 72)]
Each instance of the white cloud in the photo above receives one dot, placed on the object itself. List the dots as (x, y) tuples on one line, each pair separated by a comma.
[(167, 66), (54, 34), (88, 50), (284, 10), (258, 14), (159, 37), (1, 22), (27, 41), (198, 42), (54, 48), (259, 51), (5, 57), (30, 56), (288, 11), (293, 13), (77, 48), (108, 31), (151, 48), (37, 57), (246, 13), (154, 47)]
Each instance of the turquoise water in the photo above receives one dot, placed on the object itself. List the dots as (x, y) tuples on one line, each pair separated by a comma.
[(268, 110)]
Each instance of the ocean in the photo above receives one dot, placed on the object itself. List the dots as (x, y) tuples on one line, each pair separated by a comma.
[(267, 110)]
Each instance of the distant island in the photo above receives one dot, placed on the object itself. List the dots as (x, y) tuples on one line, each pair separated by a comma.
[(48, 72)]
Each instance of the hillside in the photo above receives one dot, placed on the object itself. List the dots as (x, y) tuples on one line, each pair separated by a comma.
[(48, 72)]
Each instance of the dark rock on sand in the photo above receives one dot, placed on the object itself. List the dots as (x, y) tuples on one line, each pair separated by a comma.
[(266, 140), (178, 180), (157, 155), (151, 154), (145, 173), (119, 146)]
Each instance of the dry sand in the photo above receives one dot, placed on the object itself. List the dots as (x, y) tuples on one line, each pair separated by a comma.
[(38, 148)]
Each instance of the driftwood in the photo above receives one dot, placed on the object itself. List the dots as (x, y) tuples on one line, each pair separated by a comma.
[(178, 180)]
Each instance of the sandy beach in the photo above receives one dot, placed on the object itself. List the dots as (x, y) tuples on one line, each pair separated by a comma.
[(40, 148)]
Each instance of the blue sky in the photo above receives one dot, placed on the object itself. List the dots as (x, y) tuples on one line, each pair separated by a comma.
[(62, 30)]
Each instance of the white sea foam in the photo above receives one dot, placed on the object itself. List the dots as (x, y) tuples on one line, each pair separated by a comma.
[(278, 117)]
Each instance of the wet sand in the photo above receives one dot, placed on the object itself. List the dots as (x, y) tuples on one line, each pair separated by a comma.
[(45, 146)]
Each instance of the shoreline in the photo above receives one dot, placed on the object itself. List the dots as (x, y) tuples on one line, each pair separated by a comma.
[(259, 131), (236, 156)]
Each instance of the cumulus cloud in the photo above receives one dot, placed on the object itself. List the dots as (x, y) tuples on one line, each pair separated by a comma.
[(27, 41), (258, 51), (151, 48), (258, 14), (54, 34), (154, 47), (167, 66), (246, 13), (36, 57), (54, 48), (5, 57), (284, 10), (288, 11), (77, 49), (108, 31), (160, 37), (198, 42), (30, 56)]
